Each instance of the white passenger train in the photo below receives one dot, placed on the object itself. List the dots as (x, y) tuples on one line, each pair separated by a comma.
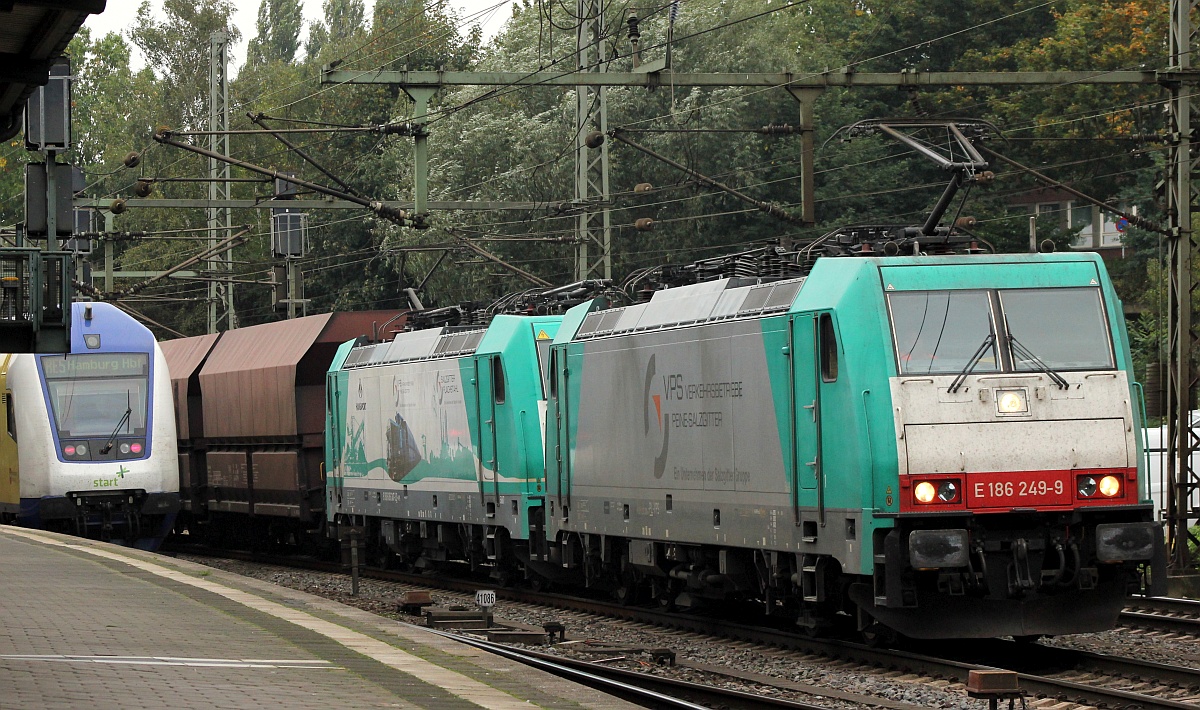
[(1156, 454), (95, 432)]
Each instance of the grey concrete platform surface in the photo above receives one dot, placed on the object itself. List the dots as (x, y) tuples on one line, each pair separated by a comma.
[(84, 624)]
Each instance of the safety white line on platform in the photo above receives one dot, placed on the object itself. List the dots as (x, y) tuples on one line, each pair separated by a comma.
[(453, 682), (162, 661)]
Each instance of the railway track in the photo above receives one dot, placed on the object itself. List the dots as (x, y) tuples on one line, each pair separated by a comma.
[(1180, 616), (1067, 675), (643, 688)]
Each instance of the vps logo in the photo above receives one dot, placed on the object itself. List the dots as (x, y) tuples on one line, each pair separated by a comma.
[(652, 402)]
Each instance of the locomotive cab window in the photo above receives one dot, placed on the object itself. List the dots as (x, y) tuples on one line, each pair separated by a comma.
[(1002, 330), (543, 356), (497, 380), (829, 349), (1064, 328), (940, 332)]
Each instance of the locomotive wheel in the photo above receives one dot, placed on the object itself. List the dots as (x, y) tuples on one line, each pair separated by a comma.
[(879, 636), (664, 596)]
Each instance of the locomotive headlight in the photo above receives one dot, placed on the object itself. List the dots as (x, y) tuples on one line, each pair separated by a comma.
[(1110, 486), (947, 491), (1011, 402), (1087, 486), (925, 492)]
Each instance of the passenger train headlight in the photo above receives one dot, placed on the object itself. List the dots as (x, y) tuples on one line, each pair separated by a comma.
[(1011, 402), (81, 449), (1110, 486), (924, 492), (124, 448)]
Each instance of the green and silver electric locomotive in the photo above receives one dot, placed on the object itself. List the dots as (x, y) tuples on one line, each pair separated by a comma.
[(943, 446)]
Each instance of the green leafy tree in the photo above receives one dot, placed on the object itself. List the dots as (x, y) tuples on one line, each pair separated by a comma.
[(344, 21), (518, 144), (278, 32), (177, 50)]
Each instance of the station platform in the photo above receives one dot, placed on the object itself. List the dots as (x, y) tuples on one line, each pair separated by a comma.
[(85, 624)]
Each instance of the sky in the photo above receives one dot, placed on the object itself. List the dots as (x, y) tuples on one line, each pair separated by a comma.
[(120, 14)]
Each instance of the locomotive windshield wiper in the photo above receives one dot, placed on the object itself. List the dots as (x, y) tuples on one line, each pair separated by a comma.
[(1026, 354), (112, 438), (962, 376)]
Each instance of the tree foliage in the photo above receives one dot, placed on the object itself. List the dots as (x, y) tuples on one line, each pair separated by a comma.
[(278, 32), (507, 144)]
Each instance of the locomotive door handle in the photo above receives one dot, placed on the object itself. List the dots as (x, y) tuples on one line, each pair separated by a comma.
[(813, 408)]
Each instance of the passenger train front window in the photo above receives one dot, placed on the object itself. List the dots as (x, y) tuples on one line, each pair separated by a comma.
[(938, 332), (97, 395)]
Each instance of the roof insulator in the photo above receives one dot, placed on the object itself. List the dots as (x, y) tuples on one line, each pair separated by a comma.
[(634, 33)]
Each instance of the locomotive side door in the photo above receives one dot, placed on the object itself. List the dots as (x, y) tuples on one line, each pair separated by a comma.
[(558, 453), (489, 371), (806, 414), (334, 438)]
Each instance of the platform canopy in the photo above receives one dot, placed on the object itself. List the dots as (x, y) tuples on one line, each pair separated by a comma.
[(33, 34)]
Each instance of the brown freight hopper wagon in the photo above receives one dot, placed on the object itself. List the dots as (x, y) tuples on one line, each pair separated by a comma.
[(250, 415)]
